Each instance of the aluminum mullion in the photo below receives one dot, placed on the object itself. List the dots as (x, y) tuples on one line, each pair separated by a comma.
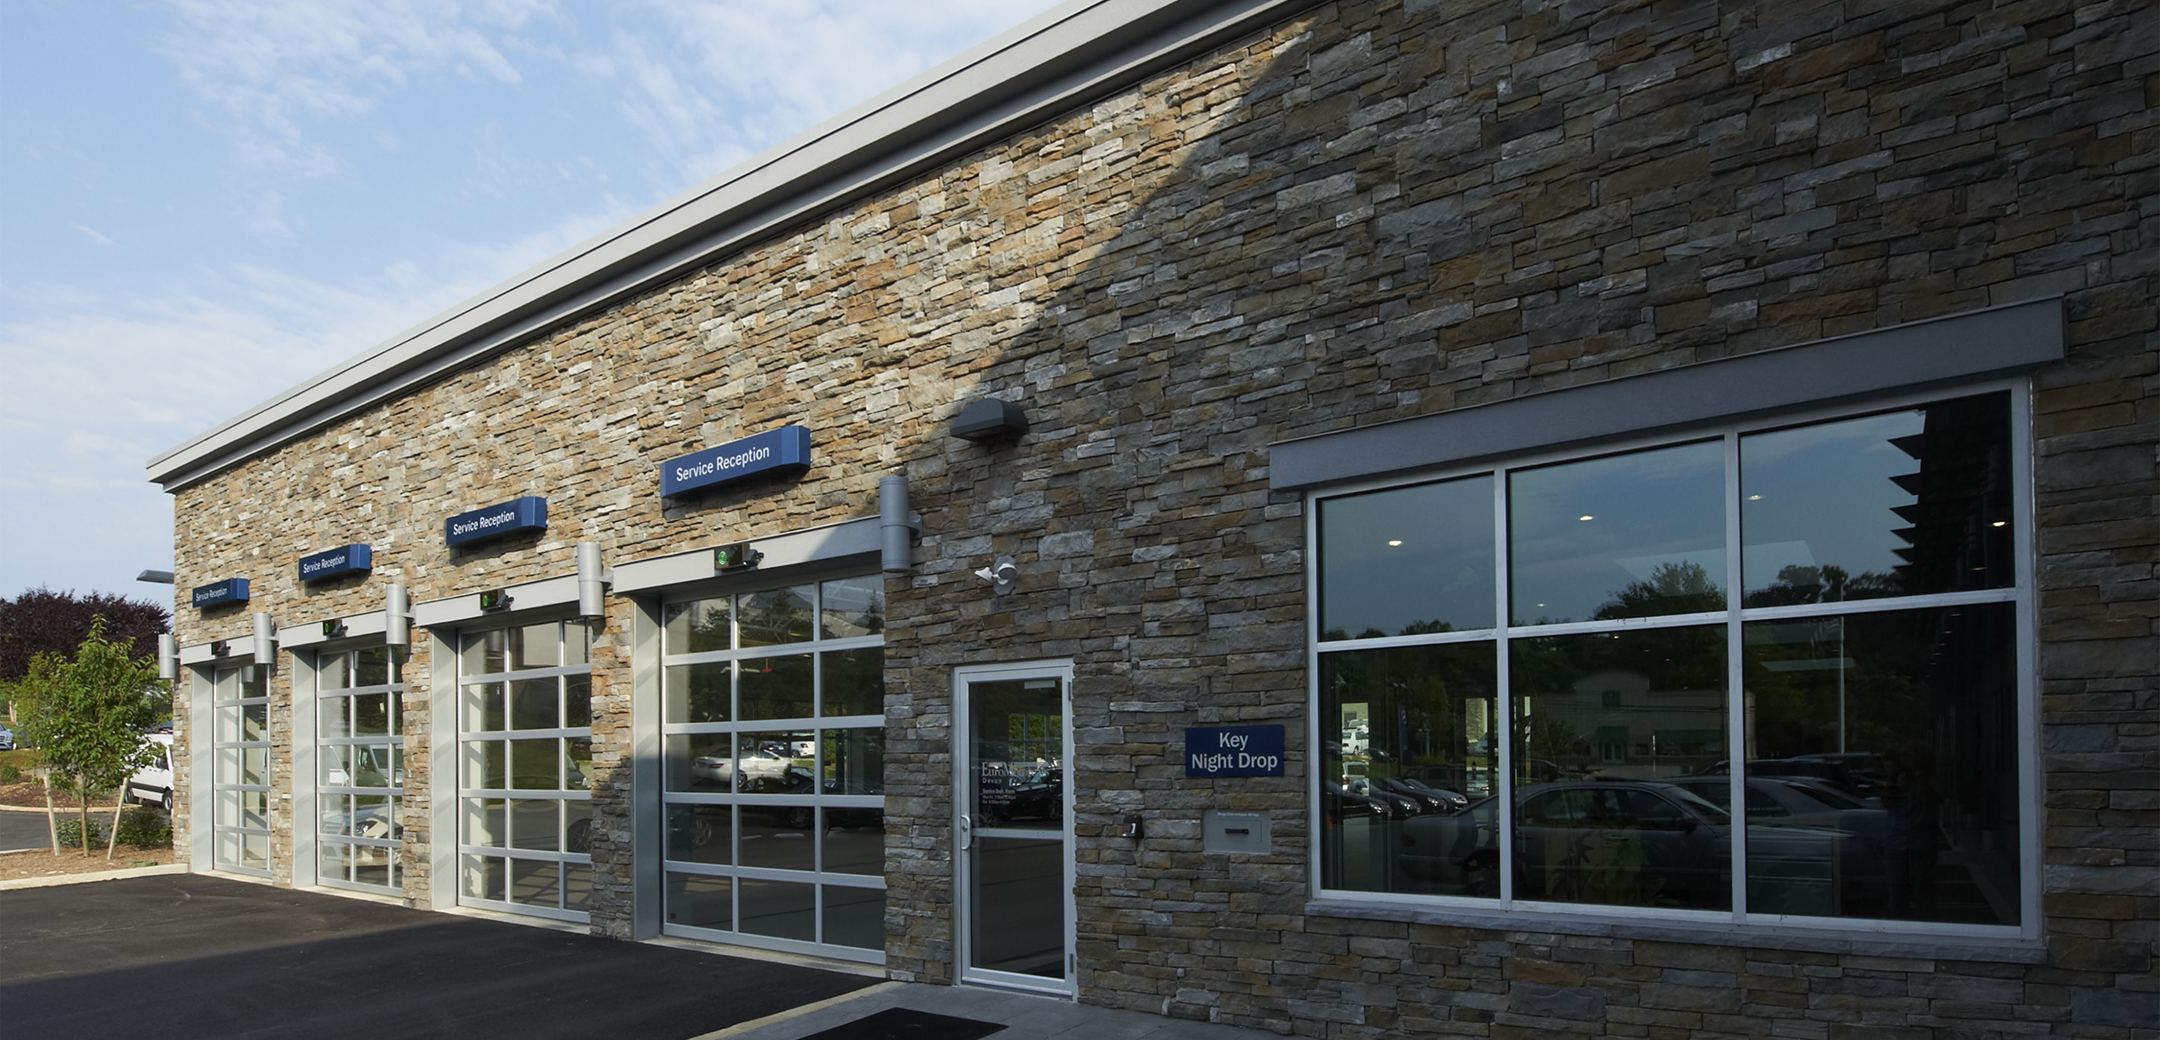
[(775, 650), (1502, 762), (2025, 548), (1576, 628), (1391, 642), (1736, 720), (1926, 601)]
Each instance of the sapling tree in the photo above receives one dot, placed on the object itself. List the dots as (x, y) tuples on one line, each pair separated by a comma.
[(87, 715)]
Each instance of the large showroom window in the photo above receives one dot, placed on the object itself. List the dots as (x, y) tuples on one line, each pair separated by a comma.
[(525, 741), (774, 726), (1554, 680), (240, 722), (360, 751)]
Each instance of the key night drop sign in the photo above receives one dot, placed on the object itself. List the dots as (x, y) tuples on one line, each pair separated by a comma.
[(1212, 751)]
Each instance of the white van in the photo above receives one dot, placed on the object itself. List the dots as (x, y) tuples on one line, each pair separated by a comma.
[(153, 783)]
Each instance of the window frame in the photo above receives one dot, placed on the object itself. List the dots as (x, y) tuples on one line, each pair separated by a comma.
[(1730, 429)]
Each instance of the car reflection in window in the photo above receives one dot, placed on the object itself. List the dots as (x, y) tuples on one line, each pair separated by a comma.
[(1621, 843)]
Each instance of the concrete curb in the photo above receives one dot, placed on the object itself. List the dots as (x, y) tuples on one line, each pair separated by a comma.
[(102, 875)]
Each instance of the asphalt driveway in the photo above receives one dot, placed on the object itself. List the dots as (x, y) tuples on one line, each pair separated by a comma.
[(183, 956)]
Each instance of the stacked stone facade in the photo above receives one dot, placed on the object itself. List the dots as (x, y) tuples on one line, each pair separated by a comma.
[(1369, 212)]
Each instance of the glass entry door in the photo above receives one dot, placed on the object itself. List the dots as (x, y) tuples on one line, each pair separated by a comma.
[(1014, 827)]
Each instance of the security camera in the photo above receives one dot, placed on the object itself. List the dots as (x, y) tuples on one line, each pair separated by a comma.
[(1002, 575)]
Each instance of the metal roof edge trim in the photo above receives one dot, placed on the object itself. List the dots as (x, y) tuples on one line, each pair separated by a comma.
[(1018, 78)]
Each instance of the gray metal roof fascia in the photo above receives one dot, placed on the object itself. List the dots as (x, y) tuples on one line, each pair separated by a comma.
[(1019, 78)]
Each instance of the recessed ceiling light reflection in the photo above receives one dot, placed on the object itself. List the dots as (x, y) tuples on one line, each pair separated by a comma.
[(1394, 541), (1586, 516), (1998, 523), (1754, 498)]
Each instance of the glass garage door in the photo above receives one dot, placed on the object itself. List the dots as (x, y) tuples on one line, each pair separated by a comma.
[(524, 763), (240, 723), (774, 762), (360, 751)]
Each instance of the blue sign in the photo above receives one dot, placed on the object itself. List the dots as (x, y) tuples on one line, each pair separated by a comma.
[(221, 593), (522, 514), (772, 451), (335, 563), (1233, 751)]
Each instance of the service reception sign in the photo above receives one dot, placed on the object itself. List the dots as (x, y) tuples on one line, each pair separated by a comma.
[(480, 525), (771, 452), (1212, 751)]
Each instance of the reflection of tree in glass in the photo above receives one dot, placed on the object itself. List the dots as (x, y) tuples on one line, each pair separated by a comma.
[(1417, 698), (776, 616), (1798, 584), (854, 682), (1414, 628), (1683, 669), (1673, 588), (1547, 738)]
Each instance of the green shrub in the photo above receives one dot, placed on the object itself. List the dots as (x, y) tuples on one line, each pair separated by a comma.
[(9, 774), (145, 827), (71, 833)]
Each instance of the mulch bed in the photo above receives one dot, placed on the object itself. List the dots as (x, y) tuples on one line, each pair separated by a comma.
[(42, 863)]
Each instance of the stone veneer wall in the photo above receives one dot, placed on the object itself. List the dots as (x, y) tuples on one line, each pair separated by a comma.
[(1371, 212)]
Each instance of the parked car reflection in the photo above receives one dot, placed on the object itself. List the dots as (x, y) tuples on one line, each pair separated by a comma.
[(1626, 843)]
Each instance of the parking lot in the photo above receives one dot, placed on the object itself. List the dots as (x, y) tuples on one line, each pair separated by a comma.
[(184, 956), (28, 830)]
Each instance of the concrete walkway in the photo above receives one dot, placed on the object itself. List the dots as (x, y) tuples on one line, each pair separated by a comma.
[(1025, 1017)]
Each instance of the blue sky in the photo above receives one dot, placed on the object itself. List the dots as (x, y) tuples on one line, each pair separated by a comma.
[(203, 202)]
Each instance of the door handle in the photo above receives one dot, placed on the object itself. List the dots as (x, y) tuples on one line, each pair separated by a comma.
[(967, 832)]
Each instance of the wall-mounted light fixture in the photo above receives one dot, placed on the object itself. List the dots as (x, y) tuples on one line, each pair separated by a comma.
[(989, 419), (397, 616), (896, 547), (168, 656), (592, 581), (265, 640)]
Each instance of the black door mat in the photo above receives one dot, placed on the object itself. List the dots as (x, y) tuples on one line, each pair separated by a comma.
[(908, 1024)]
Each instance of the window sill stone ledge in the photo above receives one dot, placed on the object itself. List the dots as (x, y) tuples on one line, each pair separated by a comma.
[(1761, 937)]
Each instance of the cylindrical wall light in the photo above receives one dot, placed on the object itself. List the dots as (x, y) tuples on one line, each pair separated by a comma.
[(896, 550), (591, 581), (265, 640), (168, 656), (397, 616)]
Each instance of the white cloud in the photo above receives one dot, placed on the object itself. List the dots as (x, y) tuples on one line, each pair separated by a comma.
[(99, 383), (712, 83), (272, 63)]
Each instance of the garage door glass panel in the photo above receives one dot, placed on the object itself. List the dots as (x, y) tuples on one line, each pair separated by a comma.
[(772, 708)]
